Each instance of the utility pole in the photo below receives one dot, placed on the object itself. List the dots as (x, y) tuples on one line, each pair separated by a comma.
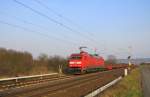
[(129, 57)]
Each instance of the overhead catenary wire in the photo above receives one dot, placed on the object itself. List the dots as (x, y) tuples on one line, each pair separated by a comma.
[(55, 21), (89, 36), (40, 13), (33, 31), (47, 17), (36, 25), (22, 20), (44, 15)]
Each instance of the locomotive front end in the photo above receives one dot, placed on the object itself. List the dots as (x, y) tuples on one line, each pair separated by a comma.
[(75, 63)]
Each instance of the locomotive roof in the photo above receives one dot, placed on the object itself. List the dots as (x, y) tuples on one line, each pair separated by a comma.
[(84, 53)]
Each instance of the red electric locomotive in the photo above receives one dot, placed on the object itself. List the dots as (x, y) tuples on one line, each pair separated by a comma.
[(83, 62)]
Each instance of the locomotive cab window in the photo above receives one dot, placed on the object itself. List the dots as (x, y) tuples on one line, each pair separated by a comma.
[(75, 57)]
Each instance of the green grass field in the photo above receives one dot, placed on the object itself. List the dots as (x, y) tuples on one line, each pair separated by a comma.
[(129, 86)]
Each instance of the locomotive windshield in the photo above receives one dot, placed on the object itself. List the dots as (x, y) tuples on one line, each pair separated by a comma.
[(75, 57)]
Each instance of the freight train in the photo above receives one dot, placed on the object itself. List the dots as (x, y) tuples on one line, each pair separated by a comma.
[(84, 62)]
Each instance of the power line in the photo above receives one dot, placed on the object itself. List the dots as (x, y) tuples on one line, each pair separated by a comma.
[(22, 20), (33, 31), (56, 13), (36, 25), (46, 16), (65, 18), (41, 14), (51, 19)]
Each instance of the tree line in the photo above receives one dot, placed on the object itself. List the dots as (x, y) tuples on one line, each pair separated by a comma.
[(16, 63)]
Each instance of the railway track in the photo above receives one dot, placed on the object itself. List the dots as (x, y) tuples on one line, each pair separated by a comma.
[(65, 87), (18, 82)]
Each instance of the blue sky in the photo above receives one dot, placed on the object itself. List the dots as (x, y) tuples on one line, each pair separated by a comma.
[(111, 26)]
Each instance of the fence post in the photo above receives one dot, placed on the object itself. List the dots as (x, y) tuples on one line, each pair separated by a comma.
[(60, 69), (125, 72)]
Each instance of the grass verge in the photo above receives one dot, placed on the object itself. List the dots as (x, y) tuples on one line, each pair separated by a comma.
[(129, 86)]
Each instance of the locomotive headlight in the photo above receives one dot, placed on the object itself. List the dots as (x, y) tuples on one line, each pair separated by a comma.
[(71, 62), (79, 62)]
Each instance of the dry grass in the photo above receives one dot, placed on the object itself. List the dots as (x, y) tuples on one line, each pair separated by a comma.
[(129, 86)]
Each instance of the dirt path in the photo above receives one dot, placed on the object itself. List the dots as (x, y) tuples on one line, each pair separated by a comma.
[(145, 70)]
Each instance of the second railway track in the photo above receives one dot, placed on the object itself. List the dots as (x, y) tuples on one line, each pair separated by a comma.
[(18, 82)]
